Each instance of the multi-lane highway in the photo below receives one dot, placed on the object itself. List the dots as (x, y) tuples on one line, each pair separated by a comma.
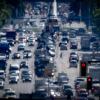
[(61, 58)]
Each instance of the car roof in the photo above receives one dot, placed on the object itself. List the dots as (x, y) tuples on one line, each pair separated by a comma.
[(14, 65)]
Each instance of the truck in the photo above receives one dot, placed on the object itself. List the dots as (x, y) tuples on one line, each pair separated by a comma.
[(85, 43), (11, 34), (5, 48), (94, 72)]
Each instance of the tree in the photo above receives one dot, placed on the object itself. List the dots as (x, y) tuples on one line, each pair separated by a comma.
[(5, 12), (96, 20)]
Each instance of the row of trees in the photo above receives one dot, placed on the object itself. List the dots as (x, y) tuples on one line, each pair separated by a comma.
[(5, 12), (90, 12), (8, 9), (96, 16)]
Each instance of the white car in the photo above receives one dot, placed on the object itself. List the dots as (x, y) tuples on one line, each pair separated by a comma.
[(52, 53), (7, 89), (14, 68), (3, 56), (1, 84), (21, 46), (10, 94), (13, 78)]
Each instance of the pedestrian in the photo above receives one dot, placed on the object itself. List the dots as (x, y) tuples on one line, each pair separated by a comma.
[(61, 55)]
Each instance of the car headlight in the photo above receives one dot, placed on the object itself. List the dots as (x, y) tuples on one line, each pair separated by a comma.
[(10, 49)]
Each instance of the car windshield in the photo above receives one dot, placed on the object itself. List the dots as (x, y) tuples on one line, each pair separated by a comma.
[(80, 79), (14, 68), (10, 93), (74, 62), (64, 39)]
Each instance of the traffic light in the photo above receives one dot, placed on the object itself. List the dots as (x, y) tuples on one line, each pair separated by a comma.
[(89, 83), (83, 68)]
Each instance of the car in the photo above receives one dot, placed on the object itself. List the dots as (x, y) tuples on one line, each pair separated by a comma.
[(54, 93), (11, 42), (2, 74), (27, 54), (26, 72), (3, 39), (64, 40), (40, 92), (72, 35), (96, 87), (63, 46), (23, 64), (4, 56), (26, 76), (73, 44), (10, 94), (66, 86), (93, 38), (39, 72), (82, 93), (74, 53), (21, 46), (64, 33), (74, 56), (22, 38), (78, 81), (68, 92), (31, 39), (51, 47), (51, 53), (30, 43), (5, 48), (62, 78), (16, 56), (7, 89), (13, 78), (14, 68), (73, 63), (3, 64), (1, 84)]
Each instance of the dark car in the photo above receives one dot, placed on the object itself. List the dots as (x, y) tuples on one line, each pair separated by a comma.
[(73, 45), (41, 92), (5, 48), (39, 72), (16, 56), (62, 78), (23, 64), (11, 42), (26, 76), (63, 46), (3, 64)]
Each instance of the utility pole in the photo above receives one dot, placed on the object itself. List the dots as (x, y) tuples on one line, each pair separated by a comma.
[(80, 12), (89, 24)]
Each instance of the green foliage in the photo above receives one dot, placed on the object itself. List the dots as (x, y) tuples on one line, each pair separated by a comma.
[(96, 20), (7, 7), (5, 12)]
